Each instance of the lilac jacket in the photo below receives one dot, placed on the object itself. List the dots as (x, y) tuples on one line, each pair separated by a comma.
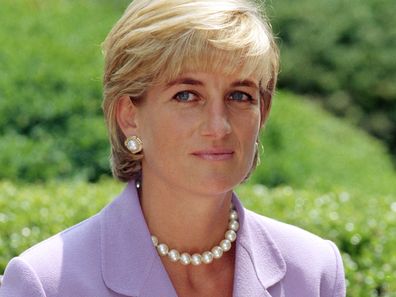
[(111, 255)]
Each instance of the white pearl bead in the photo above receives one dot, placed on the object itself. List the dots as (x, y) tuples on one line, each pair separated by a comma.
[(185, 258), (162, 249), (196, 259), (233, 215), (174, 255), (154, 240), (231, 235), (207, 257), (234, 225), (217, 252), (225, 245)]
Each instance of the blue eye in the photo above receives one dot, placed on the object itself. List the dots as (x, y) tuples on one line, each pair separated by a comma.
[(240, 96), (184, 96)]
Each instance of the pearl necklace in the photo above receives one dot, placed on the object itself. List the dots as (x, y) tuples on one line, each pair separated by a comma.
[(206, 257)]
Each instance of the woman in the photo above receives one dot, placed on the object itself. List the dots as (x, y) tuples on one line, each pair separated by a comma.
[(187, 87)]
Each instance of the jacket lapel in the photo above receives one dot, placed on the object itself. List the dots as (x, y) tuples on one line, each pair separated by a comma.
[(259, 263), (130, 264), (132, 267)]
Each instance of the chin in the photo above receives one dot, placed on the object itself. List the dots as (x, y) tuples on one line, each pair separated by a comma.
[(217, 186)]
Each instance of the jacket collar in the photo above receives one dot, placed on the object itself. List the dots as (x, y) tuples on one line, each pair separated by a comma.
[(259, 263), (132, 267), (130, 264)]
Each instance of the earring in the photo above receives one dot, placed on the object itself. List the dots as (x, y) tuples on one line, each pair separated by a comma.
[(134, 144), (259, 146)]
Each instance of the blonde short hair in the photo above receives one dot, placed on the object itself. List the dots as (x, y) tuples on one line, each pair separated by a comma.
[(157, 40)]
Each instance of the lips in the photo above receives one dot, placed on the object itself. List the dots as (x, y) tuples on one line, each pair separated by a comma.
[(214, 154)]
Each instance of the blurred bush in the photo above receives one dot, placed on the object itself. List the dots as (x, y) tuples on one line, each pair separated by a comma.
[(343, 53), (366, 238), (51, 123), (306, 147)]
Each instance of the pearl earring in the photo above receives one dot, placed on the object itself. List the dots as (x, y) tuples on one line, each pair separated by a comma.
[(134, 144)]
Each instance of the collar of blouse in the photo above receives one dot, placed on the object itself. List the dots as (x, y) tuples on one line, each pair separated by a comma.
[(131, 265)]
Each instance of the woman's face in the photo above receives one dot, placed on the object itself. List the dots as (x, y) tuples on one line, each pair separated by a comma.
[(199, 131)]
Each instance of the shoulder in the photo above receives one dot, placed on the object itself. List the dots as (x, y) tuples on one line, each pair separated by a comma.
[(290, 239), (308, 258), (72, 254), (77, 239)]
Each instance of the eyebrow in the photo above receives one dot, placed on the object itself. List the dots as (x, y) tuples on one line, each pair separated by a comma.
[(194, 82), (184, 81), (245, 83)]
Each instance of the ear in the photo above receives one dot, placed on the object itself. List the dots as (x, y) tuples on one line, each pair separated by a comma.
[(126, 116)]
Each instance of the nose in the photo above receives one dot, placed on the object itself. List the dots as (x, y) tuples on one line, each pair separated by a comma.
[(216, 122)]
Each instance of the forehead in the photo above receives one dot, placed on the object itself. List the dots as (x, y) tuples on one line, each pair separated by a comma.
[(204, 78), (201, 54), (226, 65)]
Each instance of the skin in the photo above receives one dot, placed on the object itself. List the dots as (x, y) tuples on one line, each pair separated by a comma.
[(198, 133)]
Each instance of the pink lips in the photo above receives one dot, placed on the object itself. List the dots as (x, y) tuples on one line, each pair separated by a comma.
[(214, 154)]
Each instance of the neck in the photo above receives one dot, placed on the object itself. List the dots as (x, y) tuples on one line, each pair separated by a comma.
[(189, 222)]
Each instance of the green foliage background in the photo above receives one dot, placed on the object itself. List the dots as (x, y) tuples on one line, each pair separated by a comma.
[(306, 147), (319, 172), (343, 54), (50, 88)]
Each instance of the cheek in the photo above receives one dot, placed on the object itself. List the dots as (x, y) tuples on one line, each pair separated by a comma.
[(163, 131), (248, 134), (248, 127)]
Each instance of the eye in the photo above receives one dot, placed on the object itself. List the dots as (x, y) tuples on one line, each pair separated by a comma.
[(240, 96), (185, 96)]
